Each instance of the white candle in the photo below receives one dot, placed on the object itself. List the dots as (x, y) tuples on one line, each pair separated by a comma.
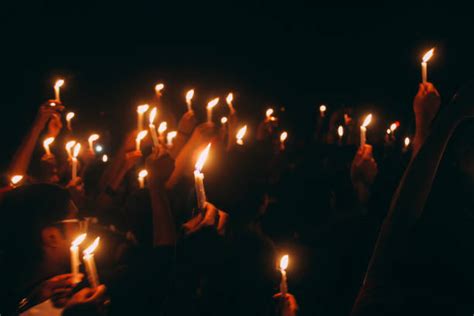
[(89, 262), (141, 109), (151, 125), (57, 89), (424, 65), (240, 135), (199, 178), (75, 263), (46, 143), (69, 117), (69, 146), (189, 97), (141, 178), (283, 283), (77, 149), (363, 130), (139, 138), (91, 141), (209, 107), (283, 137)]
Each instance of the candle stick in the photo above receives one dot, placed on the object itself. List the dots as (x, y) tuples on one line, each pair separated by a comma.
[(240, 135), (283, 137), (77, 149), (169, 138), (69, 146), (15, 180), (90, 263), (189, 97), (151, 125), (229, 99), (199, 178), (75, 263), (340, 133), (283, 283), (139, 138), (158, 88), (209, 107), (69, 117), (322, 110), (91, 141), (46, 143), (363, 130), (424, 65), (141, 109), (57, 89), (141, 178)]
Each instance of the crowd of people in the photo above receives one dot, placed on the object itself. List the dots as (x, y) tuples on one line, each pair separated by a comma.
[(326, 200)]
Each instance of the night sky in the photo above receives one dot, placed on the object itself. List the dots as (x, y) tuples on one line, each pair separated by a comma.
[(290, 54)]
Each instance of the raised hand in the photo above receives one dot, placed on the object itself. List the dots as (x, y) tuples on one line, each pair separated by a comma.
[(211, 218), (287, 305), (426, 105)]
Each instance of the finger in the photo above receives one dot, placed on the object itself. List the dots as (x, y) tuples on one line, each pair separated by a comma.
[(97, 294), (221, 225)]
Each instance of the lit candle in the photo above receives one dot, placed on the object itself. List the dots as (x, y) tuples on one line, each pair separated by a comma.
[(141, 178), (69, 117), (283, 284), (340, 133), (189, 98), (141, 109), (77, 149), (406, 143), (229, 99), (15, 180), (363, 130), (240, 135), (105, 158), (46, 143), (139, 138), (151, 125), (169, 138), (223, 120), (57, 89), (283, 137), (424, 65), (75, 263), (210, 106), (322, 110), (158, 88), (90, 263), (91, 141), (69, 146), (199, 178), (161, 132), (268, 115)]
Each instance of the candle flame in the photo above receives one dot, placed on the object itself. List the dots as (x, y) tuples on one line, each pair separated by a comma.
[(389, 131), (394, 126), (159, 87), (283, 136), (189, 96), (69, 145), (322, 108), (407, 141), (48, 141), (59, 83), (428, 55), (70, 116), (105, 158), (142, 135), (76, 242), (212, 103), (143, 173), (340, 131), (77, 149), (202, 158), (152, 115), (16, 179), (170, 136), (223, 120), (230, 98), (89, 250), (93, 137), (142, 108), (284, 262), (367, 120), (269, 112), (240, 134), (52, 104), (162, 128)]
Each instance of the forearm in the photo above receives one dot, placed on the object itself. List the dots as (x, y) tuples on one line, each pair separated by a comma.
[(178, 144), (164, 233), (22, 157)]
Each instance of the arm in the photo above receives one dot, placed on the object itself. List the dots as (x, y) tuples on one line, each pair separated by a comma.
[(185, 128)]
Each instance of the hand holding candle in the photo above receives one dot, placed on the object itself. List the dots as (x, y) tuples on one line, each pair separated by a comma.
[(283, 284), (424, 65), (209, 108), (199, 178), (91, 141), (89, 262), (75, 263), (69, 117), (189, 97), (57, 89), (363, 130), (46, 143)]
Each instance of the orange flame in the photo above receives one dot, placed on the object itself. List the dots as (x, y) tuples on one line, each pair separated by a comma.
[(59, 83), (89, 250), (170, 136), (152, 115), (105, 158), (322, 108), (143, 173), (202, 158), (340, 131), (70, 116), (76, 242), (48, 141), (269, 112), (407, 141), (212, 103), (77, 149), (389, 131), (284, 262), (93, 137), (142, 108), (16, 179), (428, 55), (367, 120), (223, 120), (240, 134), (162, 128), (230, 98), (141, 135), (159, 87), (283, 136), (189, 96)]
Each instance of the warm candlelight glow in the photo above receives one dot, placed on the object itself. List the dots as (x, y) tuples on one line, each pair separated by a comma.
[(340, 131), (142, 108), (143, 173), (284, 262), (90, 250), (141, 135), (70, 116), (428, 55), (189, 96), (283, 136), (77, 149), (202, 158), (69, 146), (269, 112), (367, 120), (59, 83), (152, 115), (389, 131), (46, 143), (16, 179), (162, 128), (240, 134), (212, 103), (229, 99), (170, 136), (105, 158), (159, 87), (322, 108), (223, 120), (407, 141), (394, 126), (76, 242), (93, 137)]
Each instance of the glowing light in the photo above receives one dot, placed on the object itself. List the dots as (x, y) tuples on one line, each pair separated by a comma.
[(283, 136), (230, 98), (76, 242), (77, 149), (322, 108), (394, 126), (90, 250), (99, 148), (93, 137), (46, 143), (367, 120), (189, 96), (212, 103), (142, 135), (389, 131), (170, 136), (142, 108), (152, 116), (340, 131), (105, 158), (284, 262), (159, 87), (269, 112), (59, 83), (202, 158), (223, 120), (428, 55), (70, 116), (143, 173), (16, 179), (407, 141), (162, 128)]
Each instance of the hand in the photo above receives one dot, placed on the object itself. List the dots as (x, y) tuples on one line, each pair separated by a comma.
[(425, 105), (76, 188), (159, 167), (131, 159), (202, 133), (44, 113), (89, 296), (55, 125), (213, 218), (287, 306), (364, 168), (187, 123), (58, 289)]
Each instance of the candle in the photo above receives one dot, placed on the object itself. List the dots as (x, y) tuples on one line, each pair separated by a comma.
[(69, 146), (189, 97), (169, 138), (141, 178), (229, 99), (158, 88), (75, 263), (322, 110), (14, 180), (151, 125), (268, 115), (363, 129), (69, 117), (90, 263), (46, 143), (199, 178), (406, 143), (210, 106), (141, 109), (139, 138), (283, 137), (161, 132), (91, 141), (283, 284), (240, 134), (57, 89), (77, 149), (424, 65), (223, 120), (105, 158), (340, 133)]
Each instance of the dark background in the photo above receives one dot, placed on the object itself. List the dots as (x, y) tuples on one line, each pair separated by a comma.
[(291, 54)]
